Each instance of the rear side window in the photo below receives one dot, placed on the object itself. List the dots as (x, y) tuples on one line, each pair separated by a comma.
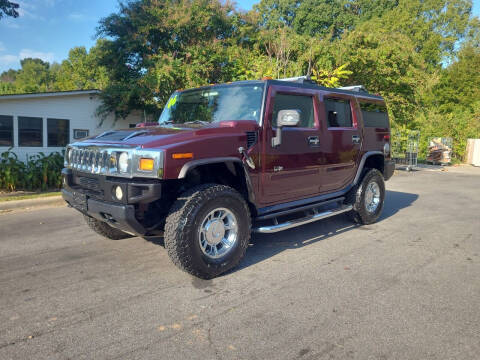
[(374, 115), (338, 113), (295, 102)]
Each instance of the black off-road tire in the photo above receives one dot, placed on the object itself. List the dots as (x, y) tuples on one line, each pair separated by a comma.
[(360, 214), (102, 228), (184, 221)]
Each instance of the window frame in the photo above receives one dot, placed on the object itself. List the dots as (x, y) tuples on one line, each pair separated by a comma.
[(48, 133), (41, 132), (12, 134), (374, 102), (352, 112), (295, 92)]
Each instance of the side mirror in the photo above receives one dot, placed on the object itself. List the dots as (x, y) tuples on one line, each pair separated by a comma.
[(288, 118), (285, 118)]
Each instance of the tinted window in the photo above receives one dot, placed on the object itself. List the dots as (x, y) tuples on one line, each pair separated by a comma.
[(338, 112), (295, 102), (58, 132), (374, 115), (30, 132), (6, 130)]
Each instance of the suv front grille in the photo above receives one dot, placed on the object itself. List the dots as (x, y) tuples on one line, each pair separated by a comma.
[(88, 183), (89, 160)]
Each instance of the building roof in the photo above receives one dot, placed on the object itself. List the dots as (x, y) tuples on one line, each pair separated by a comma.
[(48, 94)]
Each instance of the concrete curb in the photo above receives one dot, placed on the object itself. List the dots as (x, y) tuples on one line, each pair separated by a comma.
[(29, 203)]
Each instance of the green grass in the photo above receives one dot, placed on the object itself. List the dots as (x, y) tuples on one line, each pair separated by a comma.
[(28, 196)]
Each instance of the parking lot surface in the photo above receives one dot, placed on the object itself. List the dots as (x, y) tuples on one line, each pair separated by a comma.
[(407, 287)]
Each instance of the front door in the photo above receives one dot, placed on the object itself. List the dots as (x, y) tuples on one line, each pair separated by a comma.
[(290, 170)]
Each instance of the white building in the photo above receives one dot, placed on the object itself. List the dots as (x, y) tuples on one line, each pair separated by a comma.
[(46, 122)]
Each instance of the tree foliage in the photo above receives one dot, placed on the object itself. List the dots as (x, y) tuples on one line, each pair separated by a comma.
[(422, 56), (8, 8)]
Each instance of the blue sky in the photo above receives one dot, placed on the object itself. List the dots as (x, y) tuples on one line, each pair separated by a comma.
[(48, 29)]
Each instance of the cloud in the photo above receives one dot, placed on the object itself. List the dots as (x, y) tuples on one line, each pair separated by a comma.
[(45, 56), (29, 10), (10, 24), (8, 59), (76, 16), (2, 47)]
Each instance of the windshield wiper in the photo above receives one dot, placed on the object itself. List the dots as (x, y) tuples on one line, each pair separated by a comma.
[(197, 122)]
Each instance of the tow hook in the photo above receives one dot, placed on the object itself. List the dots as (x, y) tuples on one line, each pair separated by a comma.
[(246, 158)]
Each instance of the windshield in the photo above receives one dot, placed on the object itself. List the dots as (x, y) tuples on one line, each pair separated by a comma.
[(218, 103)]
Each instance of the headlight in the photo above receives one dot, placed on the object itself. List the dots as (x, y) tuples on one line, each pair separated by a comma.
[(123, 162)]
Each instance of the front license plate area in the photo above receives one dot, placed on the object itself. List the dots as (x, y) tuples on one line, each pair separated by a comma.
[(80, 201)]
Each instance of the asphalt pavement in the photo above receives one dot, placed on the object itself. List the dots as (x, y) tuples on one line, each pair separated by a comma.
[(407, 287)]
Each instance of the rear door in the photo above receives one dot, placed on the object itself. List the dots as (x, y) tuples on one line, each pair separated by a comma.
[(290, 170), (341, 141)]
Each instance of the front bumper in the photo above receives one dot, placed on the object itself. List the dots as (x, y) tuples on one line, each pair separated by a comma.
[(389, 168), (93, 195), (117, 215)]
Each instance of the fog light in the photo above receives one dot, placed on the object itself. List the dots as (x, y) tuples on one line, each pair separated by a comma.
[(118, 193)]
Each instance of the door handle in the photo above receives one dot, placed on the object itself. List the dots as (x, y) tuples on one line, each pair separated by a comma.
[(313, 141), (355, 139)]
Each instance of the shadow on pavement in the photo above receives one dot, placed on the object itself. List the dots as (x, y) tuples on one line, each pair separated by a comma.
[(264, 246)]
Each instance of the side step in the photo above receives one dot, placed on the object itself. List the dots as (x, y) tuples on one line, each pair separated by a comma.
[(270, 229)]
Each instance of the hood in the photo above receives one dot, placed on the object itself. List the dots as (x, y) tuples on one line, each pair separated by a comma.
[(159, 136)]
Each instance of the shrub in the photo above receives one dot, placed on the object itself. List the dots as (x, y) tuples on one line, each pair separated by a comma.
[(39, 172)]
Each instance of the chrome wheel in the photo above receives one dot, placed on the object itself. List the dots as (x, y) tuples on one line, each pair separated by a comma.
[(372, 197), (218, 233)]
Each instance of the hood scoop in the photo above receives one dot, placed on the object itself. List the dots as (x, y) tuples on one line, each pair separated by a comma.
[(120, 135)]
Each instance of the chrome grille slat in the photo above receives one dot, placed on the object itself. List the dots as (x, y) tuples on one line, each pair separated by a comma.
[(89, 160)]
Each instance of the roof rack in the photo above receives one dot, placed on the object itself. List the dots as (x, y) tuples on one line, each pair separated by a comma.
[(300, 80), (357, 88)]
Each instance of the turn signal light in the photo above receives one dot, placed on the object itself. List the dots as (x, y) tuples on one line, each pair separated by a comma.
[(146, 164), (182, 156)]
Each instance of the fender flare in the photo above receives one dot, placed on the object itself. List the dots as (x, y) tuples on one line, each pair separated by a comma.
[(195, 163), (362, 164)]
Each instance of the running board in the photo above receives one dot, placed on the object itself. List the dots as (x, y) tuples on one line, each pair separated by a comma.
[(305, 220)]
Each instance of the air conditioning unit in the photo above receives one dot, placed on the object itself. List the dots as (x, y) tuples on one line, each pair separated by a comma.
[(473, 152)]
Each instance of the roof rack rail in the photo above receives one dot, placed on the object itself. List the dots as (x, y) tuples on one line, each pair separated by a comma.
[(357, 88), (299, 79)]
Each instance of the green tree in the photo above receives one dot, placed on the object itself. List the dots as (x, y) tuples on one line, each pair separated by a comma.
[(8, 8), (157, 46), (34, 76), (81, 70)]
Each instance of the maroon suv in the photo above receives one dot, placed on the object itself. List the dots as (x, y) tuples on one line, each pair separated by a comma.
[(226, 160)]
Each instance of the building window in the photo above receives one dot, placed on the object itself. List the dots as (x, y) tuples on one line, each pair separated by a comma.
[(338, 112), (30, 131), (295, 102), (58, 132), (131, 126), (79, 133), (6, 130)]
